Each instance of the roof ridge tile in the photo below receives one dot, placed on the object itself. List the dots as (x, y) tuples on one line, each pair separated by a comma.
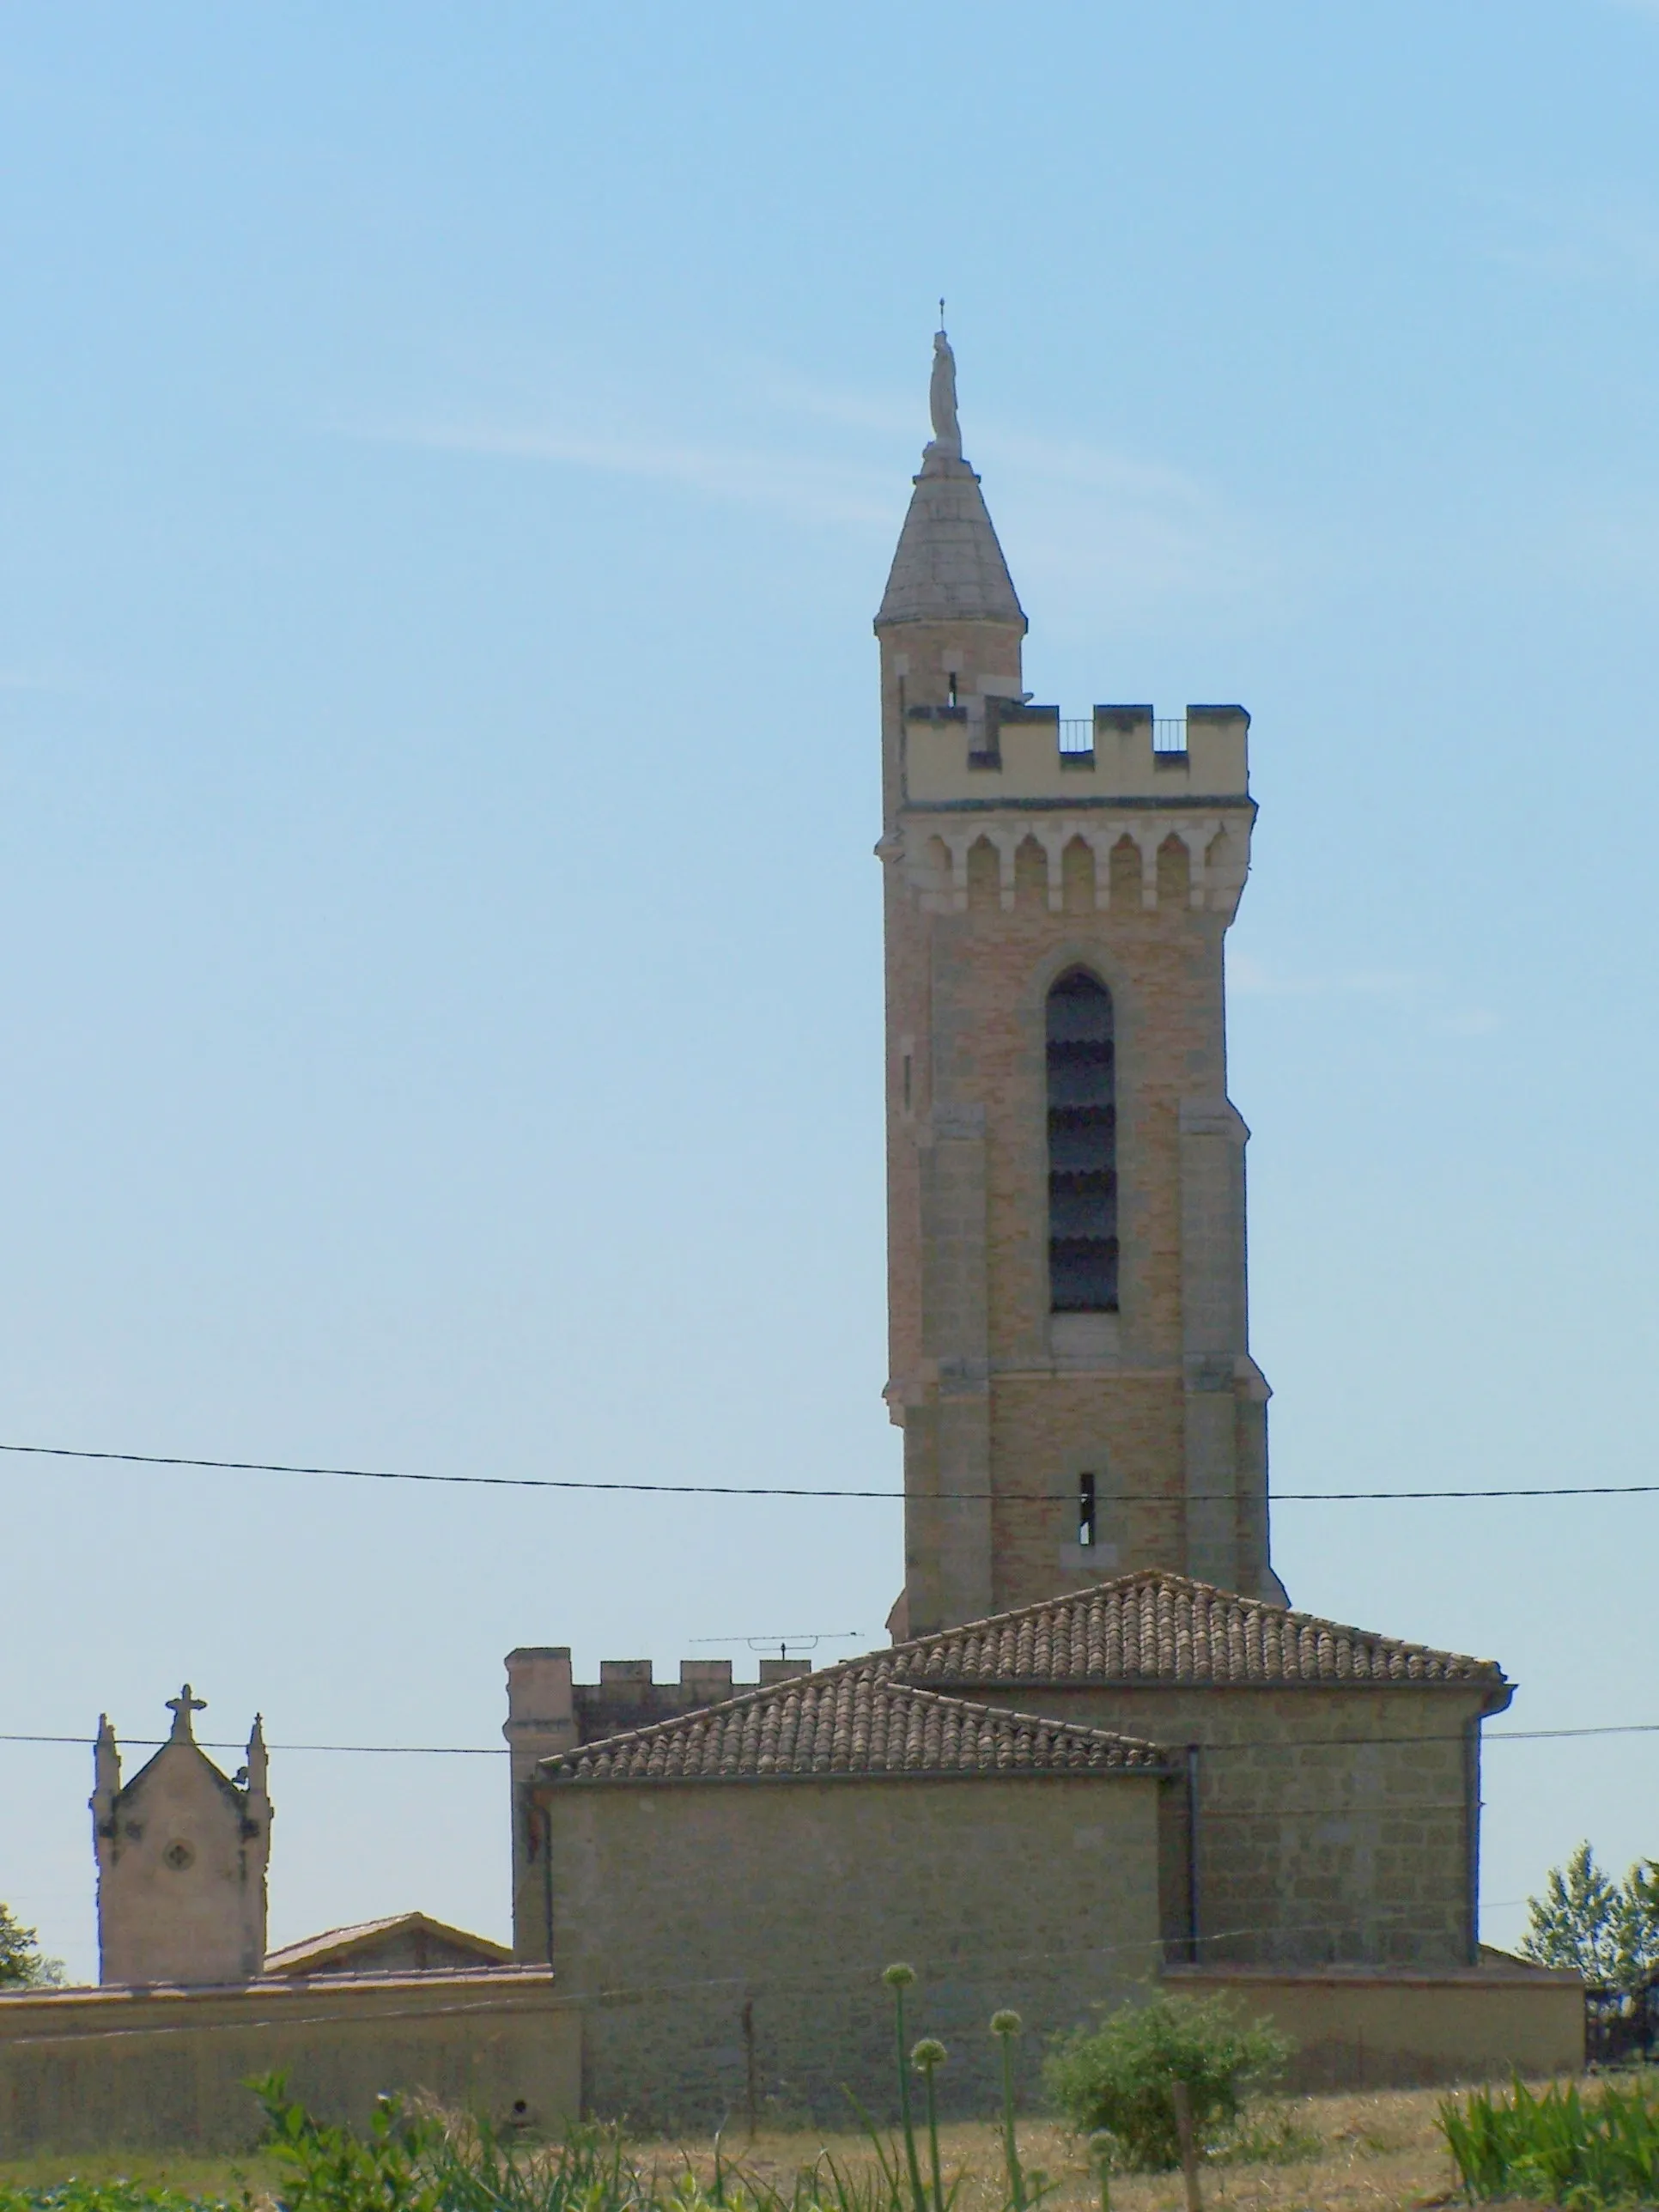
[(886, 1727), (1153, 1625)]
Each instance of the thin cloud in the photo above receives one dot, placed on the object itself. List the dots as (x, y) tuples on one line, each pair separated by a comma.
[(1086, 527), (49, 684), (817, 491), (1604, 237), (1414, 995), (1256, 979)]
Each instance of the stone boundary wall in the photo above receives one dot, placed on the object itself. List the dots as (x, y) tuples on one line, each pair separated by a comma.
[(1395, 2029), (161, 2068)]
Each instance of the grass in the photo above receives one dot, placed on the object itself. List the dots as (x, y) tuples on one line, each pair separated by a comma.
[(180, 2173), (1378, 2151), (1373, 2151)]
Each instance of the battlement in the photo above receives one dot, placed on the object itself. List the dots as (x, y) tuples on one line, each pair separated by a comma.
[(548, 1710), (988, 752)]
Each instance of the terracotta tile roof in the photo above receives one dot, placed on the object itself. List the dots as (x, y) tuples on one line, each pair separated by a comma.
[(849, 1720), (1152, 1627)]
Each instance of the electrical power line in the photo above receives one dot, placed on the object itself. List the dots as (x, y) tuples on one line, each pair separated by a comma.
[(802, 1490), (1230, 1743)]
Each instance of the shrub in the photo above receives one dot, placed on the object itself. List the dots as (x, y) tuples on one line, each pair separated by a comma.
[(328, 2169), (1556, 2144), (1118, 2076)]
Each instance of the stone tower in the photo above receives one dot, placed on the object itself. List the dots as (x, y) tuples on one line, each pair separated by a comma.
[(1070, 1360), (182, 1851)]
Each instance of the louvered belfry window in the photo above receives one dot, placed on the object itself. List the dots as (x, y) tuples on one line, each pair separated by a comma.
[(1082, 1147)]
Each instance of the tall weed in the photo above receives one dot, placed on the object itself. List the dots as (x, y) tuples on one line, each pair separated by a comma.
[(1556, 2144)]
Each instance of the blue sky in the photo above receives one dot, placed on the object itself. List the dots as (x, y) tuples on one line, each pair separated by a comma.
[(449, 460)]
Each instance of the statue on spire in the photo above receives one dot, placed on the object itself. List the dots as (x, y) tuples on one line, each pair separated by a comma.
[(942, 398)]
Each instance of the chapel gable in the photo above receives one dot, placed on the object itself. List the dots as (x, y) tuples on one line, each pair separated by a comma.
[(182, 1851)]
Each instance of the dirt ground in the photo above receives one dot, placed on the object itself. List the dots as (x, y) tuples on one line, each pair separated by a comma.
[(1379, 2151)]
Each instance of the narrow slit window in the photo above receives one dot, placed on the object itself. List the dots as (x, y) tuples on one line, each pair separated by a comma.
[(1086, 1508), (1083, 1246)]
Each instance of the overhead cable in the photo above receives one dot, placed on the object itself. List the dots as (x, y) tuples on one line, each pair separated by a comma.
[(802, 1490), (1228, 1744)]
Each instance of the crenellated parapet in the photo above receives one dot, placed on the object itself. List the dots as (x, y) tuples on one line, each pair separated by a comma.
[(1119, 786), (986, 751), (549, 1711)]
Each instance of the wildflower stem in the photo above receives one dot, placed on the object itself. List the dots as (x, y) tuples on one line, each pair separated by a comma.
[(1005, 2026), (932, 2135), (897, 1978), (1100, 2142)]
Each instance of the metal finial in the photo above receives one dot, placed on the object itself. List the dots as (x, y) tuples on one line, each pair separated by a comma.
[(941, 311)]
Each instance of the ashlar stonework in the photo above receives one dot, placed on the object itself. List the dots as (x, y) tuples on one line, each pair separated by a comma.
[(1069, 1346), (1103, 1745)]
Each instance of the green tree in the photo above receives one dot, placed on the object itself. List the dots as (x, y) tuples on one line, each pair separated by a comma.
[(1608, 1929), (21, 1967)]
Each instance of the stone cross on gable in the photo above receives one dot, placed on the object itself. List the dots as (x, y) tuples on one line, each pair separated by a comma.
[(181, 1708)]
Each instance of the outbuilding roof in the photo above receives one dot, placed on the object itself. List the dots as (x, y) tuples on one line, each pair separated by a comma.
[(850, 1720), (337, 1948), (1154, 1628)]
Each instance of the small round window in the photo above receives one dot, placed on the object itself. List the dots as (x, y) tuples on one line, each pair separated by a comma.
[(179, 1856)]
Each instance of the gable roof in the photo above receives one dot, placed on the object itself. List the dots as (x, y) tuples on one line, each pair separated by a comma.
[(1153, 1628), (175, 1749), (850, 1720), (341, 1942)]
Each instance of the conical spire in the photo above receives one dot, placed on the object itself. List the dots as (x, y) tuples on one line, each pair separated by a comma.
[(949, 567)]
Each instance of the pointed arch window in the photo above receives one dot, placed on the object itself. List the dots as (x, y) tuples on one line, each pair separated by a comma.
[(1082, 1146)]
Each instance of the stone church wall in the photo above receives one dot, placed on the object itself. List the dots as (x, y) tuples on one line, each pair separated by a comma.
[(706, 1928), (1317, 1842)]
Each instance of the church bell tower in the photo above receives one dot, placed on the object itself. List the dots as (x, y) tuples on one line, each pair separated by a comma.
[(1069, 1349)]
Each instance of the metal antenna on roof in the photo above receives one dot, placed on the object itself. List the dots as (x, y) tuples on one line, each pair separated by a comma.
[(802, 1639)]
